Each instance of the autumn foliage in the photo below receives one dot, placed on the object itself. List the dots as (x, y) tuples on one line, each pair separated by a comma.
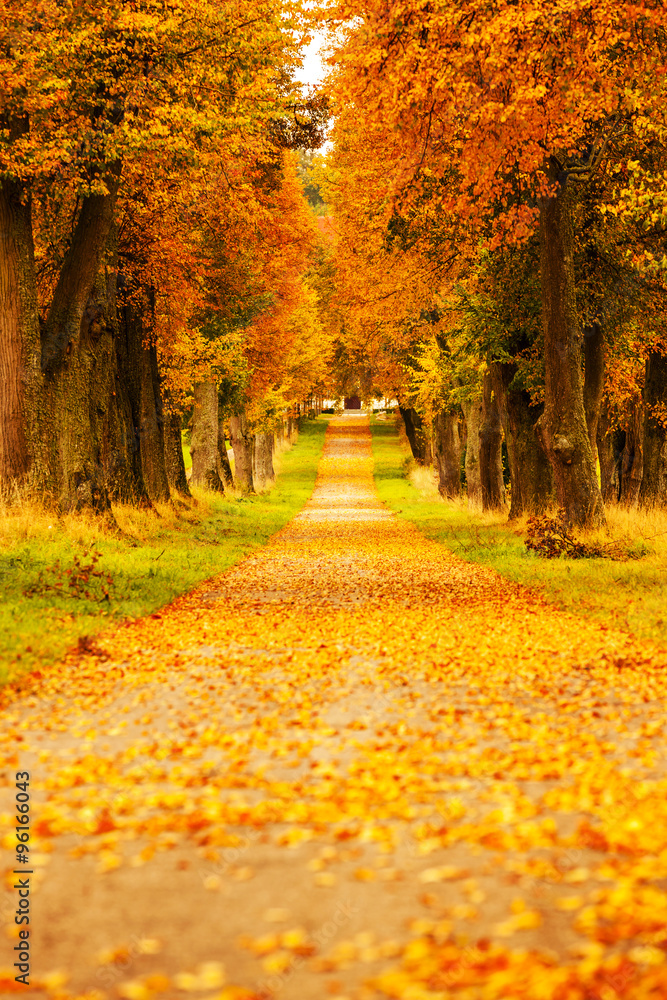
[(523, 145), (145, 157)]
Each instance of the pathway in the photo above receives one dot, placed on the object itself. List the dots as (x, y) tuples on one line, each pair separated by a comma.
[(350, 767)]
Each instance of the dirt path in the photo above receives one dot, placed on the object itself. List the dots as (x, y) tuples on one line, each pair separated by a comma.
[(350, 767)]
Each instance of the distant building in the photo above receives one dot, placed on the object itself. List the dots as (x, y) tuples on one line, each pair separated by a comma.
[(352, 403)]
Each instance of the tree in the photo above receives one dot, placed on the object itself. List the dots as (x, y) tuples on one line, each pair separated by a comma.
[(498, 114), (104, 104)]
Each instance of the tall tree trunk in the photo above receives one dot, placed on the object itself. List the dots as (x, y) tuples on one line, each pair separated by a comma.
[(263, 460), (447, 451), (594, 371), (531, 476), (563, 424), (145, 395), (472, 411), (204, 447), (152, 428), (416, 433), (20, 377), (173, 455), (490, 450), (610, 456), (84, 401), (224, 467), (653, 490), (78, 274), (85, 418), (632, 458), (125, 479), (243, 442)]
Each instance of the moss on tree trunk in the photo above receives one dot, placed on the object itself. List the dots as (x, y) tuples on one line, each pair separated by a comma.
[(563, 427)]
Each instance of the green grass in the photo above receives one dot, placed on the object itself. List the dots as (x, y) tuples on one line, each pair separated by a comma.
[(155, 557), (630, 595), (187, 457)]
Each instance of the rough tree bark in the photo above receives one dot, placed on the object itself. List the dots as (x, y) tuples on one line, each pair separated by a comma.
[(78, 273), (204, 445), (242, 441), (562, 426), (531, 476), (472, 411), (417, 435), (173, 455), (92, 451), (83, 419), (490, 450), (447, 453), (653, 491), (263, 472), (19, 334)]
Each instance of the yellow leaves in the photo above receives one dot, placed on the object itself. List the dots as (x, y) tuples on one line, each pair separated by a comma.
[(647, 955), (480, 732), (519, 921), (262, 945), (277, 962), (134, 989), (207, 976), (108, 861), (444, 873), (568, 903), (365, 874)]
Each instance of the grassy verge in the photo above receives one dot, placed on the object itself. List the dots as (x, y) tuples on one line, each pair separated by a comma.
[(155, 557), (631, 595)]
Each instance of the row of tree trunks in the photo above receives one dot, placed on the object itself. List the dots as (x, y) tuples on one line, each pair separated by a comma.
[(253, 450), (80, 412)]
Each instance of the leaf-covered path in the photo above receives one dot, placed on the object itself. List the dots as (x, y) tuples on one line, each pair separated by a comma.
[(352, 766)]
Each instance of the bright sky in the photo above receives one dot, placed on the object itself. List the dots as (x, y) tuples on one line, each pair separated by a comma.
[(312, 71)]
